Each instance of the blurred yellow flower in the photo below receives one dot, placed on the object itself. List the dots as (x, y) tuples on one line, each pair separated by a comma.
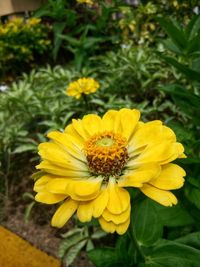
[(88, 166), (34, 21), (88, 2), (82, 86)]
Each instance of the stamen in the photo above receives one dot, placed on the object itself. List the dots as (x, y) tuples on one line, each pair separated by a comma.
[(106, 154)]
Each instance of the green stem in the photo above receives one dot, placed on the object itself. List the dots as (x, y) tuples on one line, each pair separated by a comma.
[(86, 101), (138, 247)]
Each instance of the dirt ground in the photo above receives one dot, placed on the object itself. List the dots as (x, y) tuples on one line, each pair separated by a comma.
[(37, 229)]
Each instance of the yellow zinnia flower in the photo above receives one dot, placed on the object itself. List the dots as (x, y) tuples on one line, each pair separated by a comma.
[(82, 86), (88, 2), (89, 165)]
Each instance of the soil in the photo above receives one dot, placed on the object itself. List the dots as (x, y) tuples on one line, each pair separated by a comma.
[(37, 229)]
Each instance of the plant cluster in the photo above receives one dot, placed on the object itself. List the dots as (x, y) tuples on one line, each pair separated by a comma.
[(20, 42), (114, 62)]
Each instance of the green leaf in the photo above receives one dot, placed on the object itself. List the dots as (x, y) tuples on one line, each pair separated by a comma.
[(193, 27), (193, 194), (98, 234), (28, 210), (192, 240), (188, 102), (191, 74), (73, 231), (68, 243), (175, 33), (171, 46), (144, 214), (171, 254), (174, 216), (25, 148), (89, 245), (73, 252), (58, 28), (103, 257), (125, 250), (181, 132)]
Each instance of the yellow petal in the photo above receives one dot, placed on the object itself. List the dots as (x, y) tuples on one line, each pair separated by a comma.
[(119, 198), (67, 144), (117, 127), (85, 211), (93, 208), (123, 227), (175, 150), (57, 186), (65, 172), (91, 124), (146, 134), (69, 130), (78, 127), (40, 183), (52, 152), (161, 153), (87, 186), (137, 177), (117, 218), (168, 134), (65, 139), (171, 177), (108, 227), (100, 203), (108, 120), (163, 197), (48, 198), (64, 213), (151, 133), (84, 189), (129, 119)]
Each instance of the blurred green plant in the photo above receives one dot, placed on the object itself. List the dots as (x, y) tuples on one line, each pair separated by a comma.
[(29, 207), (75, 240), (38, 102), (61, 15), (20, 42), (173, 238), (80, 29), (138, 22), (183, 43)]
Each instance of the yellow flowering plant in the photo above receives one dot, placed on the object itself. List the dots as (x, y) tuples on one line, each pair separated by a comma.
[(88, 2), (82, 86), (22, 40), (90, 167)]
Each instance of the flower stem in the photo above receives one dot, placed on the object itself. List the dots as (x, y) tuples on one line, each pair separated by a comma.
[(86, 101), (138, 247)]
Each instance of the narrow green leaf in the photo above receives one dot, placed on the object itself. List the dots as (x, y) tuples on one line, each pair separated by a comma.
[(193, 27), (73, 231), (98, 234), (73, 252), (175, 33), (191, 74), (188, 102), (28, 211), (25, 148), (68, 243)]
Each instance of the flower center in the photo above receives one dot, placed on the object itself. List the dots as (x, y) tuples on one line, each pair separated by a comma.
[(106, 154)]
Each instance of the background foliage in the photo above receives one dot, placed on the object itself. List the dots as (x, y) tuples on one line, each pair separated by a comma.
[(145, 57)]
